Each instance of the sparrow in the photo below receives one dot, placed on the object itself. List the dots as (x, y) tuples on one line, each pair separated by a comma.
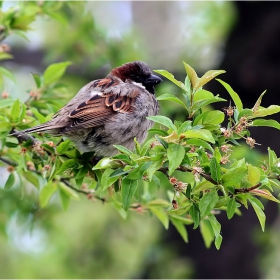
[(109, 111)]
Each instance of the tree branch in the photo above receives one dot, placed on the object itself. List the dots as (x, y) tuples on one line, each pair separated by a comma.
[(22, 137)]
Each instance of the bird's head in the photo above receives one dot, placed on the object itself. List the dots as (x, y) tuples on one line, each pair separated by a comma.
[(138, 72)]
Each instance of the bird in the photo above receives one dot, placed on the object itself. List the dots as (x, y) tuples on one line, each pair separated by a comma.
[(108, 111)]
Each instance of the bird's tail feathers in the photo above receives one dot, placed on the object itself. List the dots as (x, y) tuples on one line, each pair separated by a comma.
[(52, 129)]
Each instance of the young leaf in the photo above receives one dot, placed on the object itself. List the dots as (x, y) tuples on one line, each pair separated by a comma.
[(54, 72), (180, 228), (215, 170), (218, 241), (63, 147), (66, 165), (202, 95), (269, 123), (265, 194), (163, 120), (216, 226), (236, 99), (199, 143), (206, 232), (262, 112), (171, 97), (32, 178), (69, 192), (194, 212), (210, 117), (207, 203), (231, 207), (191, 74), (128, 189), (7, 73), (46, 193), (233, 176), (259, 212), (175, 155), (106, 180), (171, 78), (10, 181), (253, 174), (123, 149), (203, 134), (258, 102), (208, 76), (65, 199), (161, 215)]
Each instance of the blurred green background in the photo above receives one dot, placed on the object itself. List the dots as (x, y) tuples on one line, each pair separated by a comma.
[(91, 240)]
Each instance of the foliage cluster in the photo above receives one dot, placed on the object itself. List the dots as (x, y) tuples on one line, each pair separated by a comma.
[(184, 174)]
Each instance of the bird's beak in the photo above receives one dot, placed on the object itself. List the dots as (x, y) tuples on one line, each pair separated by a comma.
[(152, 80)]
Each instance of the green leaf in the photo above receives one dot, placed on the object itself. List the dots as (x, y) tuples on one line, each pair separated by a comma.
[(207, 77), (272, 158), (164, 121), (161, 215), (128, 189), (65, 199), (203, 134), (207, 203), (170, 97), (38, 115), (32, 178), (233, 176), (206, 232), (254, 175), (106, 180), (262, 112), (269, 123), (37, 79), (123, 149), (265, 194), (231, 207), (6, 103), (175, 155), (194, 212), (216, 226), (213, 117), (215, 169), (199, 143), (235, 97), (69, 192), (218, 241), (5, 127), (171, 78), (258, 102), (107, 163), (4, 56), (191, 74), (63, 147), (202, 95), (153, 168), (54, 72), (10, 181), (259, 212), (180, 228), (66, 165), (7, 73), (46, 193), (15, 110), (200, 104)]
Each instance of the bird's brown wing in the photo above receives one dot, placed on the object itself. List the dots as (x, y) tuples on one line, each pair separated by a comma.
[(111, 97)]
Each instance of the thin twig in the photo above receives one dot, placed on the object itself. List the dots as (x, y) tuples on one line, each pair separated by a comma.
[(246, 190), (6, 161), (22, 137)]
